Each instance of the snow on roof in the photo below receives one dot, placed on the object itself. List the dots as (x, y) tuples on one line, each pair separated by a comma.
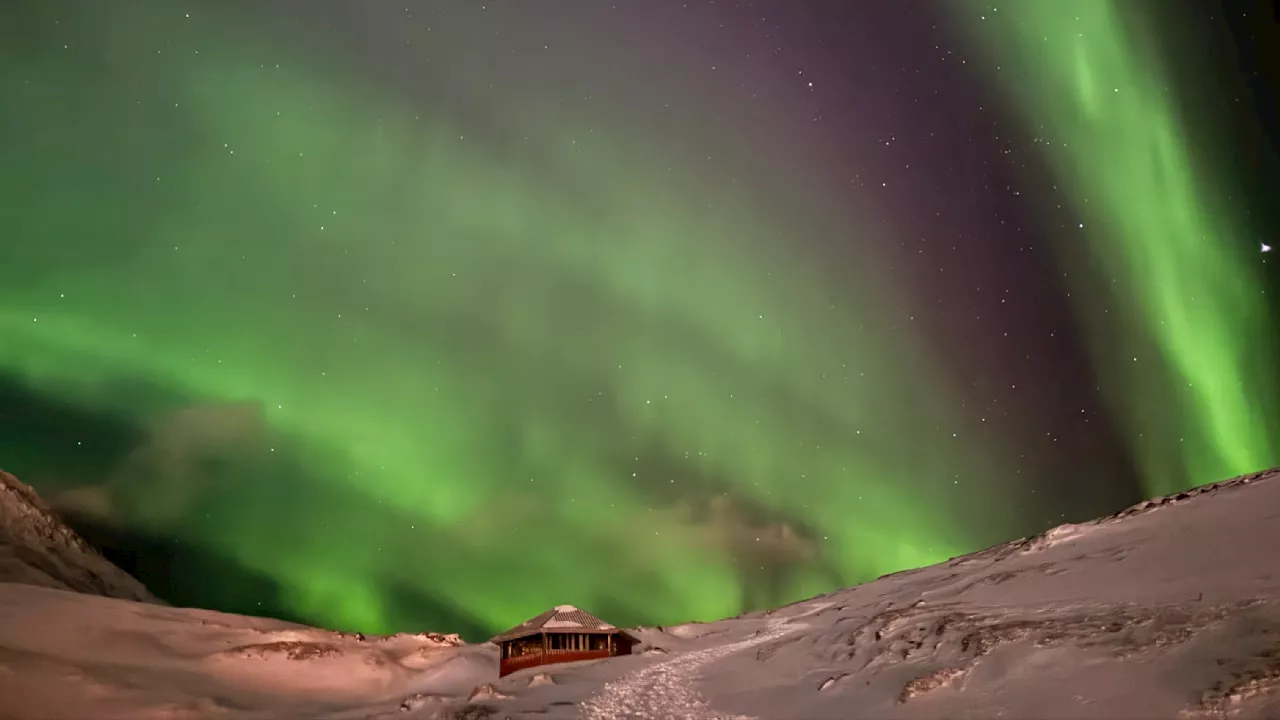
[(562, 618)]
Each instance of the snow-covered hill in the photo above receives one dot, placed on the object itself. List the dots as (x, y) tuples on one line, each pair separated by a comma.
[(37, 548), (1170, 609), (64, 655)]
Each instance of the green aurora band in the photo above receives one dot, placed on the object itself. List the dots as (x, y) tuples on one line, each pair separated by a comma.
[(493, 365), (1166, 242), (371, 349)]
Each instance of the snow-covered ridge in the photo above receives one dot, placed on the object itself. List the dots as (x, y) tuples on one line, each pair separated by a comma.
[(37, 548)]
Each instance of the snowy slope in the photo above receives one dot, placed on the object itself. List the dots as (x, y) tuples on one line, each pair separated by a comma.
[(64, 655), (37, 548), (1170, 609)]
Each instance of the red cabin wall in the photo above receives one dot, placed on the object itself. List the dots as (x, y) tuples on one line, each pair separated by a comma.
[(552, 657)]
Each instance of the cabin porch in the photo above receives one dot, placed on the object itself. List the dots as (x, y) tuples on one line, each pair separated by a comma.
[(549, 648)]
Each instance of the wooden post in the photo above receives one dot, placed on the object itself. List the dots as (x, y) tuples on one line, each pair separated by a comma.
[(610, 644)]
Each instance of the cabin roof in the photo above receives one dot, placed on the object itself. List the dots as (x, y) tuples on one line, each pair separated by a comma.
[(561, 618)]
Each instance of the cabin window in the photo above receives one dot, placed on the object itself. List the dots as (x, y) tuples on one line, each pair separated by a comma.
[(524, 647)]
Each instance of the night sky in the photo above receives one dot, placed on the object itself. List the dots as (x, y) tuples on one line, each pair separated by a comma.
[(431, 315)]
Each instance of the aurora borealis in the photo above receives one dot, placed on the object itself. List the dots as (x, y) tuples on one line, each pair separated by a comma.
[(1201, 304), (432, 318)]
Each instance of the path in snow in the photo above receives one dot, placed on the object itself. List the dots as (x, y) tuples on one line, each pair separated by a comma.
[(665, 691)]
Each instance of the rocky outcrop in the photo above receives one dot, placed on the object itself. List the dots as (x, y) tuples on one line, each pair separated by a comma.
[(38, 548)]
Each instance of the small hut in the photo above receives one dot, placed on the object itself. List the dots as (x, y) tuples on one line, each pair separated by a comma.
[(561, 634)]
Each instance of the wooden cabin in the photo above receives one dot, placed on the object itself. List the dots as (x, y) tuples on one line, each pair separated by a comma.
[(561, 634)]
